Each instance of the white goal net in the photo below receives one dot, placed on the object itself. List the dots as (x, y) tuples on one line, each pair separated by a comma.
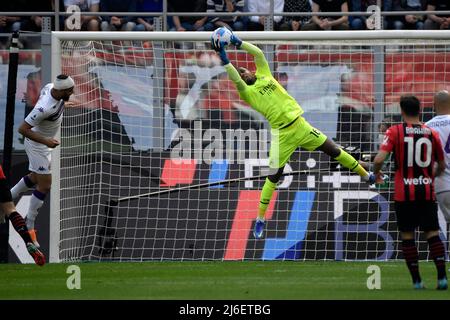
[(161, 159)]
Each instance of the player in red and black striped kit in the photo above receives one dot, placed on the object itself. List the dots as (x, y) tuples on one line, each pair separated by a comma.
[(418, 158), (8, 208)]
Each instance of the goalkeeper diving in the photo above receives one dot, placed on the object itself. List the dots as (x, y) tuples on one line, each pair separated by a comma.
[(289, 130)]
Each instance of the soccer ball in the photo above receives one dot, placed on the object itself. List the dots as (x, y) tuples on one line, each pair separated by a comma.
[(222, 36)]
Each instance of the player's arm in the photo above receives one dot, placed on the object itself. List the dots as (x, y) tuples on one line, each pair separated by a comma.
[(231, 70), (235, 77), (435, 18), (439, 154), (25, 130), (378, 162), (72, 103), (34, 118), (385, 149), (262, 66)]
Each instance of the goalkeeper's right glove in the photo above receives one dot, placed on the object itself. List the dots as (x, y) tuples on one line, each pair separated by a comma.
[(215, 45), (234, 39), (219, 47), (223, 56)]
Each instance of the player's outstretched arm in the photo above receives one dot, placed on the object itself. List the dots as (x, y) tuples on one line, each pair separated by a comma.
[(73, 103), (231, 70), (378, 164), (260, 60)]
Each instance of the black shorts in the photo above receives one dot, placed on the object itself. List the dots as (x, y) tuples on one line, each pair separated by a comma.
[(413, 214), (5, 193)]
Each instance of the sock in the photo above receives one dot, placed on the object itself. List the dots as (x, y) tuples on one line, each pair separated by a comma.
[(412, 259), (23, 185), (437, 253), (351, 163), (19, 225), (36, 202), (266, 195)]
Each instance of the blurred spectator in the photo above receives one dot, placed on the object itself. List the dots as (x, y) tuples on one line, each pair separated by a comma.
[(233, 23), (328, 22), (256, 23), (392, 22), (186, 23), (409, 21), (11, 24), (89, 23), (113, 23), (359, 22), (294, 23), (147, 23), (33, 23), (438, 21), (24, 23)]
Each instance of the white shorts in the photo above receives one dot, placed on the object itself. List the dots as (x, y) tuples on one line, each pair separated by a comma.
[(443, 200), (39, 160)]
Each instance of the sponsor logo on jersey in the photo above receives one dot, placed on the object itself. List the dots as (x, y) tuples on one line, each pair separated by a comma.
[(268, 88), (417, 181), (41, 168)]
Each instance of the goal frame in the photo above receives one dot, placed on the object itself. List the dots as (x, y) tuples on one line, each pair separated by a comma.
[(58, 36)]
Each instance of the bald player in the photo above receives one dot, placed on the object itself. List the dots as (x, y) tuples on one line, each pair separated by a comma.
[(40, 129), (441, 124), (289, 129)]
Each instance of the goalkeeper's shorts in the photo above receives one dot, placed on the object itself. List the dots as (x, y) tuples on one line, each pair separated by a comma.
[(285, 141)]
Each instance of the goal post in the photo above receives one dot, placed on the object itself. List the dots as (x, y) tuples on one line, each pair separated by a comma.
[(55, 208), (161, 159)]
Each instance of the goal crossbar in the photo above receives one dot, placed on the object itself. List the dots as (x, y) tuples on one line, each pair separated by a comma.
[(254, 35)]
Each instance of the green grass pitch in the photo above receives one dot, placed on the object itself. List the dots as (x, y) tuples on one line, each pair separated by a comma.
[(272, 280)]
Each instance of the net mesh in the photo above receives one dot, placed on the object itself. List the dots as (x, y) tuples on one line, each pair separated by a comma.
[(157, 116)]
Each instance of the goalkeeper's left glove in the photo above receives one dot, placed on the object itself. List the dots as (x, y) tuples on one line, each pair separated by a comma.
[(234, 39)]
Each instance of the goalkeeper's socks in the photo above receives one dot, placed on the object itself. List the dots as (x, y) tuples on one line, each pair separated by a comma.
[(36, 202), (412, 259), (347, 161), (266, 195), (437, 253), (23, 185), (19, 225)]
